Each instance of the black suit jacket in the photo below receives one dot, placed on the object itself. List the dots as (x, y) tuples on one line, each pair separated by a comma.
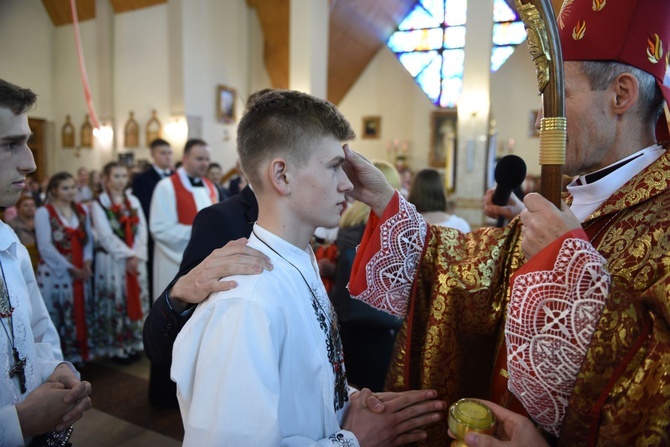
[(213, 228), (143, 187)]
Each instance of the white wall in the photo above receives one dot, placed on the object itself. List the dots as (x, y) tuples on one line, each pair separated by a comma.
[(171, 57), (168, 57), (216, 51), (26, 50), (386, 89), (141, 72), (514, 95)]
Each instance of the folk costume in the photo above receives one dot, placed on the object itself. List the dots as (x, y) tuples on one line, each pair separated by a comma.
[(29, 330), (63, 244), (174, 204), (121, 297), (269, 351)]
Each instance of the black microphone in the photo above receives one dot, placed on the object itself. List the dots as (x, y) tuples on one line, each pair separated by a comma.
[(510, 173)]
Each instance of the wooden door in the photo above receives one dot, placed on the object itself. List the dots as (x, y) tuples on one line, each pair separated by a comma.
[(37, 144)]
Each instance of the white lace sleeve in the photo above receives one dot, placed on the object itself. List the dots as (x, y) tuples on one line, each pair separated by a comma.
[(551, 318), (390, 272)]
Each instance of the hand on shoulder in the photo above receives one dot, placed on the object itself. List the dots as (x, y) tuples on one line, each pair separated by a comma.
[(235, 258)]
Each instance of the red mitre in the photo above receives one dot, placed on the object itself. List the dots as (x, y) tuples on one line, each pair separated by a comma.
[(634, 32)]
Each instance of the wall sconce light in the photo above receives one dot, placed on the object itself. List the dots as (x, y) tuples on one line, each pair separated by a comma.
[(104, 134), (176, 129)]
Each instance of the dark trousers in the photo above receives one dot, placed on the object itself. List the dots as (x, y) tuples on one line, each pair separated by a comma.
[(162, 390), (367, 354)]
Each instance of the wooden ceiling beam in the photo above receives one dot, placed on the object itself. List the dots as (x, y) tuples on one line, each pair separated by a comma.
[(274, 19), (60, 14), (358, 29), (131, 5)]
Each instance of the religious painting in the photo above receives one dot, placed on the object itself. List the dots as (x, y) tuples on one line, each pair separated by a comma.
[(225, 104), (127, 159), (153, 129), (67, 133), (532, 131), (86, 133), (131, 132), (444, 144), (371, 127)]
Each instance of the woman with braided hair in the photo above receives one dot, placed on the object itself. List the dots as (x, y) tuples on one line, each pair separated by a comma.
[(65, 244), (121, 282)]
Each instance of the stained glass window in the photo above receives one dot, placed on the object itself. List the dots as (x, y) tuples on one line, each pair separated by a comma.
[(430, 44)]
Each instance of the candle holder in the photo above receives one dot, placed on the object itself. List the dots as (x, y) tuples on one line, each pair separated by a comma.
[(469, 415)]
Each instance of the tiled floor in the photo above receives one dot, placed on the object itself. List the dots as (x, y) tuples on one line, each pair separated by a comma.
[(99, 429)]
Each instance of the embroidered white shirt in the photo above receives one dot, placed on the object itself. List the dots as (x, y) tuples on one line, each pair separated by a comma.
[(35, 336), (252, 365)]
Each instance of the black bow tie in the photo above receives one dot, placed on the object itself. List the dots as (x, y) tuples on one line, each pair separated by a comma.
[(195, 181)]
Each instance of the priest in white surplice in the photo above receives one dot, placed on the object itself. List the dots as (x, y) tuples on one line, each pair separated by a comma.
[(174, 204)]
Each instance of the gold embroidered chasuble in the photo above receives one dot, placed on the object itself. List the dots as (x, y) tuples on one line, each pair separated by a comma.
[(456, 318)]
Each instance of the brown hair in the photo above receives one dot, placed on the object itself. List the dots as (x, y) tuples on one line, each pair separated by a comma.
[(24, 198), (285, 122), (18, 100), (56, 180), (427, 192), (107, 169)]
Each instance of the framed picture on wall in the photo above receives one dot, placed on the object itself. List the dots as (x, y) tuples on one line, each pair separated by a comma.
[(371, 127), (444, 144), (127, 158), (225, 104)]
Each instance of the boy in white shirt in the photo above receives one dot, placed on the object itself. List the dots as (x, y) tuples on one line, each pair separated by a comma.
[(40, 395), (262, 364)]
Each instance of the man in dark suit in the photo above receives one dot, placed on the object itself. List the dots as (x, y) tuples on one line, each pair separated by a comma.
[(203, 264), (143, 187)]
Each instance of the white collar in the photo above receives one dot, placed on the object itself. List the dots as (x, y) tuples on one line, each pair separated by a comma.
[(8, 239), (588, 197)]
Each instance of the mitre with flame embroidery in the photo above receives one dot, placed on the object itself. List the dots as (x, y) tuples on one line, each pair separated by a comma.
[(634, 32)]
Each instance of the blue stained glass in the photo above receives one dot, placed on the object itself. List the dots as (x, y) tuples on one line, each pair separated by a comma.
[(415, 62), (419, 18), (502, 12), (429, 80), (451, 92), (455, 12), (435, 8), (508, 33), (454, 37), (439, 25), (499, 55), (416, 40), (453, 63)]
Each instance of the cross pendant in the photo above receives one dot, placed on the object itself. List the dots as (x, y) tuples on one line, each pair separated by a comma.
[(18, 370)]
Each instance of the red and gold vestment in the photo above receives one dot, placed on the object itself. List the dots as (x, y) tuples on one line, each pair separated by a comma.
[(460, 293)]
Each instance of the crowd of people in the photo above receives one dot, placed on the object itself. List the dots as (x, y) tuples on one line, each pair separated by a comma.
[(89, 242)]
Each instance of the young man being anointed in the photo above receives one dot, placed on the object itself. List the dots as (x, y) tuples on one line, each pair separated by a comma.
[(262, 364)]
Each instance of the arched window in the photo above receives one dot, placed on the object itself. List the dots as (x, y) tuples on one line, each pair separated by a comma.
[(430, 44)]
